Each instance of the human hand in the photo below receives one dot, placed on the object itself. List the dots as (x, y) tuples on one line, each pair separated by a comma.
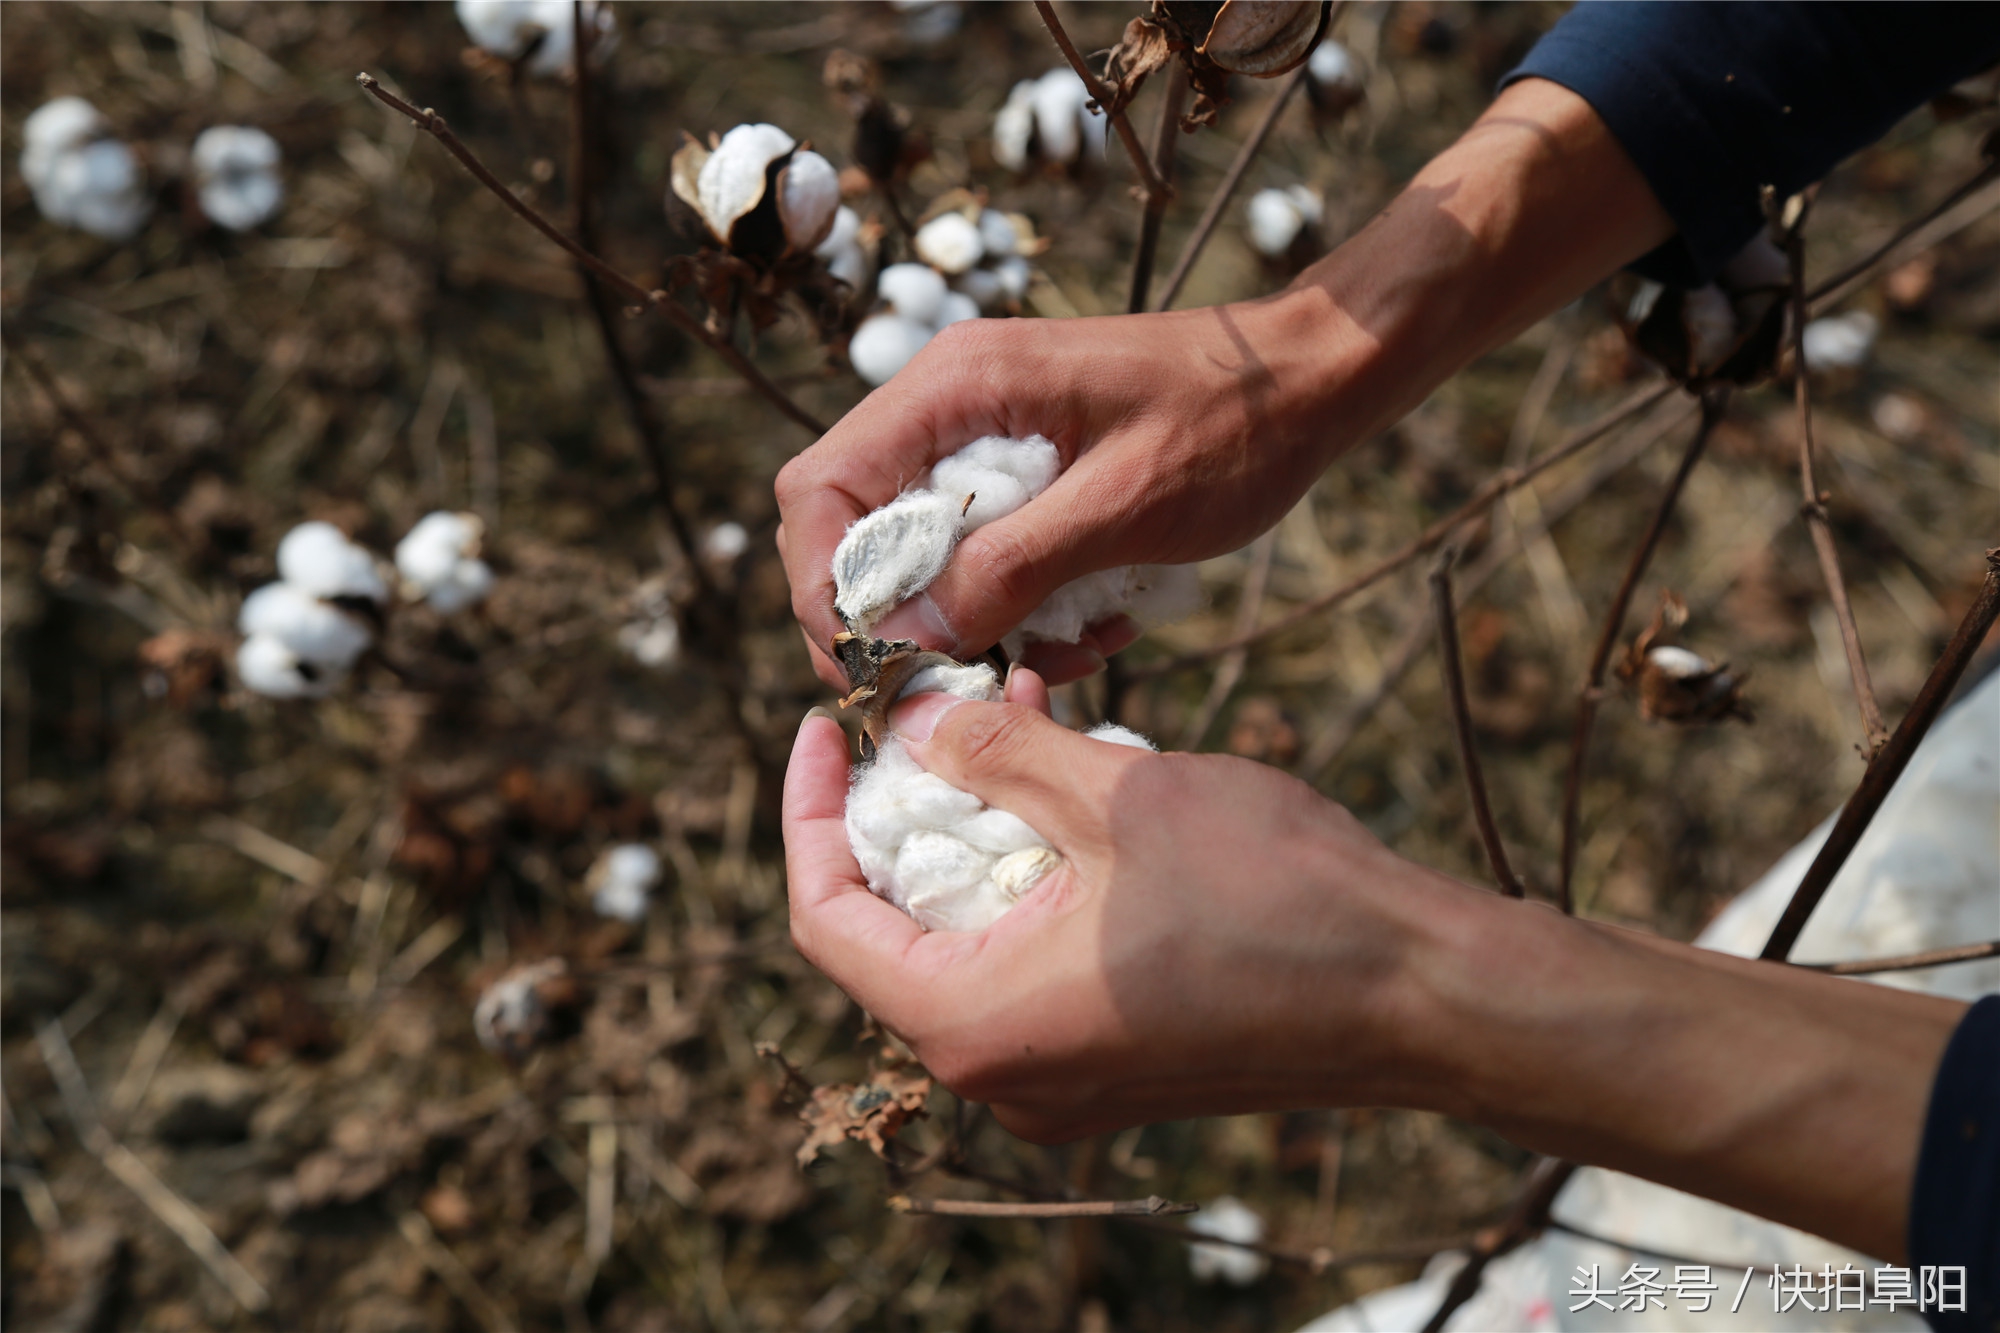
[(1218, 939), (1177, 441)]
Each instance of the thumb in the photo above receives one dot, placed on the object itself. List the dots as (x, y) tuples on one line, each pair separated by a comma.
[(1016, 759), (998, 576)]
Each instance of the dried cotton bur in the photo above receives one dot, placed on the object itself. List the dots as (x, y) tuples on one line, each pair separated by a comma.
[(1260, 38), (1676, 684), (940, 854), (525, 1007), (873, 1111)]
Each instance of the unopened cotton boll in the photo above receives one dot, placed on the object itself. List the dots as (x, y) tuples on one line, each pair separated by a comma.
[(317, 558), (622, 880), (914, 291), (438, 561), (1227, 1218), (884, 344), (808, 199), (950, 242), (269, 668), (1840, 342), (236, 175), (312, 630)]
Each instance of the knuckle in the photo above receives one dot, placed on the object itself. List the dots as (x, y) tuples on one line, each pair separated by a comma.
[(990, 736), (1002, 570)]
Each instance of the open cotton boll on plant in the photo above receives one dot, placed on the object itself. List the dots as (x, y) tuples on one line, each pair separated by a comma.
[(318, 558), (438, 561), (893, 554), (621, 881), (542, 30), (236, 175)]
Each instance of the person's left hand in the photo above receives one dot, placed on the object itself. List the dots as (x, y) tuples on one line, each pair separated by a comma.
[(1219, 938)]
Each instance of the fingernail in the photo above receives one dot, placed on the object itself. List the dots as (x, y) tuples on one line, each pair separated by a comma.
[(919, 619), (915, 719), (1007, 682), (819, 710)]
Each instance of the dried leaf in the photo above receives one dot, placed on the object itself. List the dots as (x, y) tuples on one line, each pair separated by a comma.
[(1145, 47), (687, 166), (874, 1111)]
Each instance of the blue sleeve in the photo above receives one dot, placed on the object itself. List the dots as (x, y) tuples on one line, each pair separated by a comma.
[(1713, 101), (1955, 1203)]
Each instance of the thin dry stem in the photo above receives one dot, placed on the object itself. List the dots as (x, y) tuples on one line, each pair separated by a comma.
[(1225, 189), (1230, 671), (1156, 188), (1909, 962), (1836, 286), (433, 124), (1151, 1206), (1166, 134), (1461, 722), (1527, 1218), (1888, 764), (1489, 492), (1712, 405), (1813, 507)]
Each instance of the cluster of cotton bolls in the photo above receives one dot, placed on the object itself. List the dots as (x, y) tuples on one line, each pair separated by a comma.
[(621, 881), (541, 31), (891, 555), (847, 258), (1279, 217), (81, 177), (1048, 120), (973, 263), (942, 855), (727, 186), (304, 632), (921, 303), (439, 562)]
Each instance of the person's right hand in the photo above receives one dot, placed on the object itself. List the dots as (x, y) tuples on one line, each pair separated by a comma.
[(1182, 437)]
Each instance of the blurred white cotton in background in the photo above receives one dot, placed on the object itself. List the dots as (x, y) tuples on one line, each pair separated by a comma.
[(299, 645), (509, 29), (653, 643), (79, 177), (950, 242), (319, 559), (841, 249), (622, 879), (236, 175), (884, 344), (1277, 216), (724, 542), (438, 561), (313, 630), (1333, 67), (1227, 1218), (914, 291), (271, 669), (1840, 342)]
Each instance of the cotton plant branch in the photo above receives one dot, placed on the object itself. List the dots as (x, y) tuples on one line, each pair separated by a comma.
[(1461, 721), (1888, 764), (1225, 189), (1713, 403), (1909, 962), (1155, 186), (661, 302), (1527, 1218), (1151, 1206), (1813, 505), (1488, 494), (1833, 288), (1166, 134)]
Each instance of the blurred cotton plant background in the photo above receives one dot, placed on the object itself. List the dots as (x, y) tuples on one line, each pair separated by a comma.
[(398, 668)]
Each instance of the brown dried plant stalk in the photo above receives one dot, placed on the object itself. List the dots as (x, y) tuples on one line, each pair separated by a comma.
[(662, 302), (1155, 186), (1166, 134), (1713, 403), (1461, 721)]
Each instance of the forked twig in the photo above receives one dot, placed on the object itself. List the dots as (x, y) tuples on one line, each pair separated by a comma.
[(1489, 493), (1225, 189), (1527, 1218), (1166, 134), (1908, 962), (1813, 506), (1461, 721), (433, 124), (1713, 403), (1151, 1206), (1888, 764), (1156, 188)]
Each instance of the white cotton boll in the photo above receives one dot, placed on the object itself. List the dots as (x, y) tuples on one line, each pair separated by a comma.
[(236, 175), (997, 234), (622, 881), (1113, 734), (808, 199), (892, 554), (55, 129), (317, 558), (268, 667), (731, 181), (950, 242), (1014, 127), (654, 643), (1275, 222), (1840, 342), (1060, 113), (974, 680), (500, 27), (1227, 1219), (1711, 325), (982, 285), (884, 344), (439, 540), (1680, 663), (914, 291), (1001, 474), (1015, 275), (97, 188), (1333, 66), (1311, 207), (845, 259), (725, 542), (508, 28), (468, 585), (956, 308), (316, 632)]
